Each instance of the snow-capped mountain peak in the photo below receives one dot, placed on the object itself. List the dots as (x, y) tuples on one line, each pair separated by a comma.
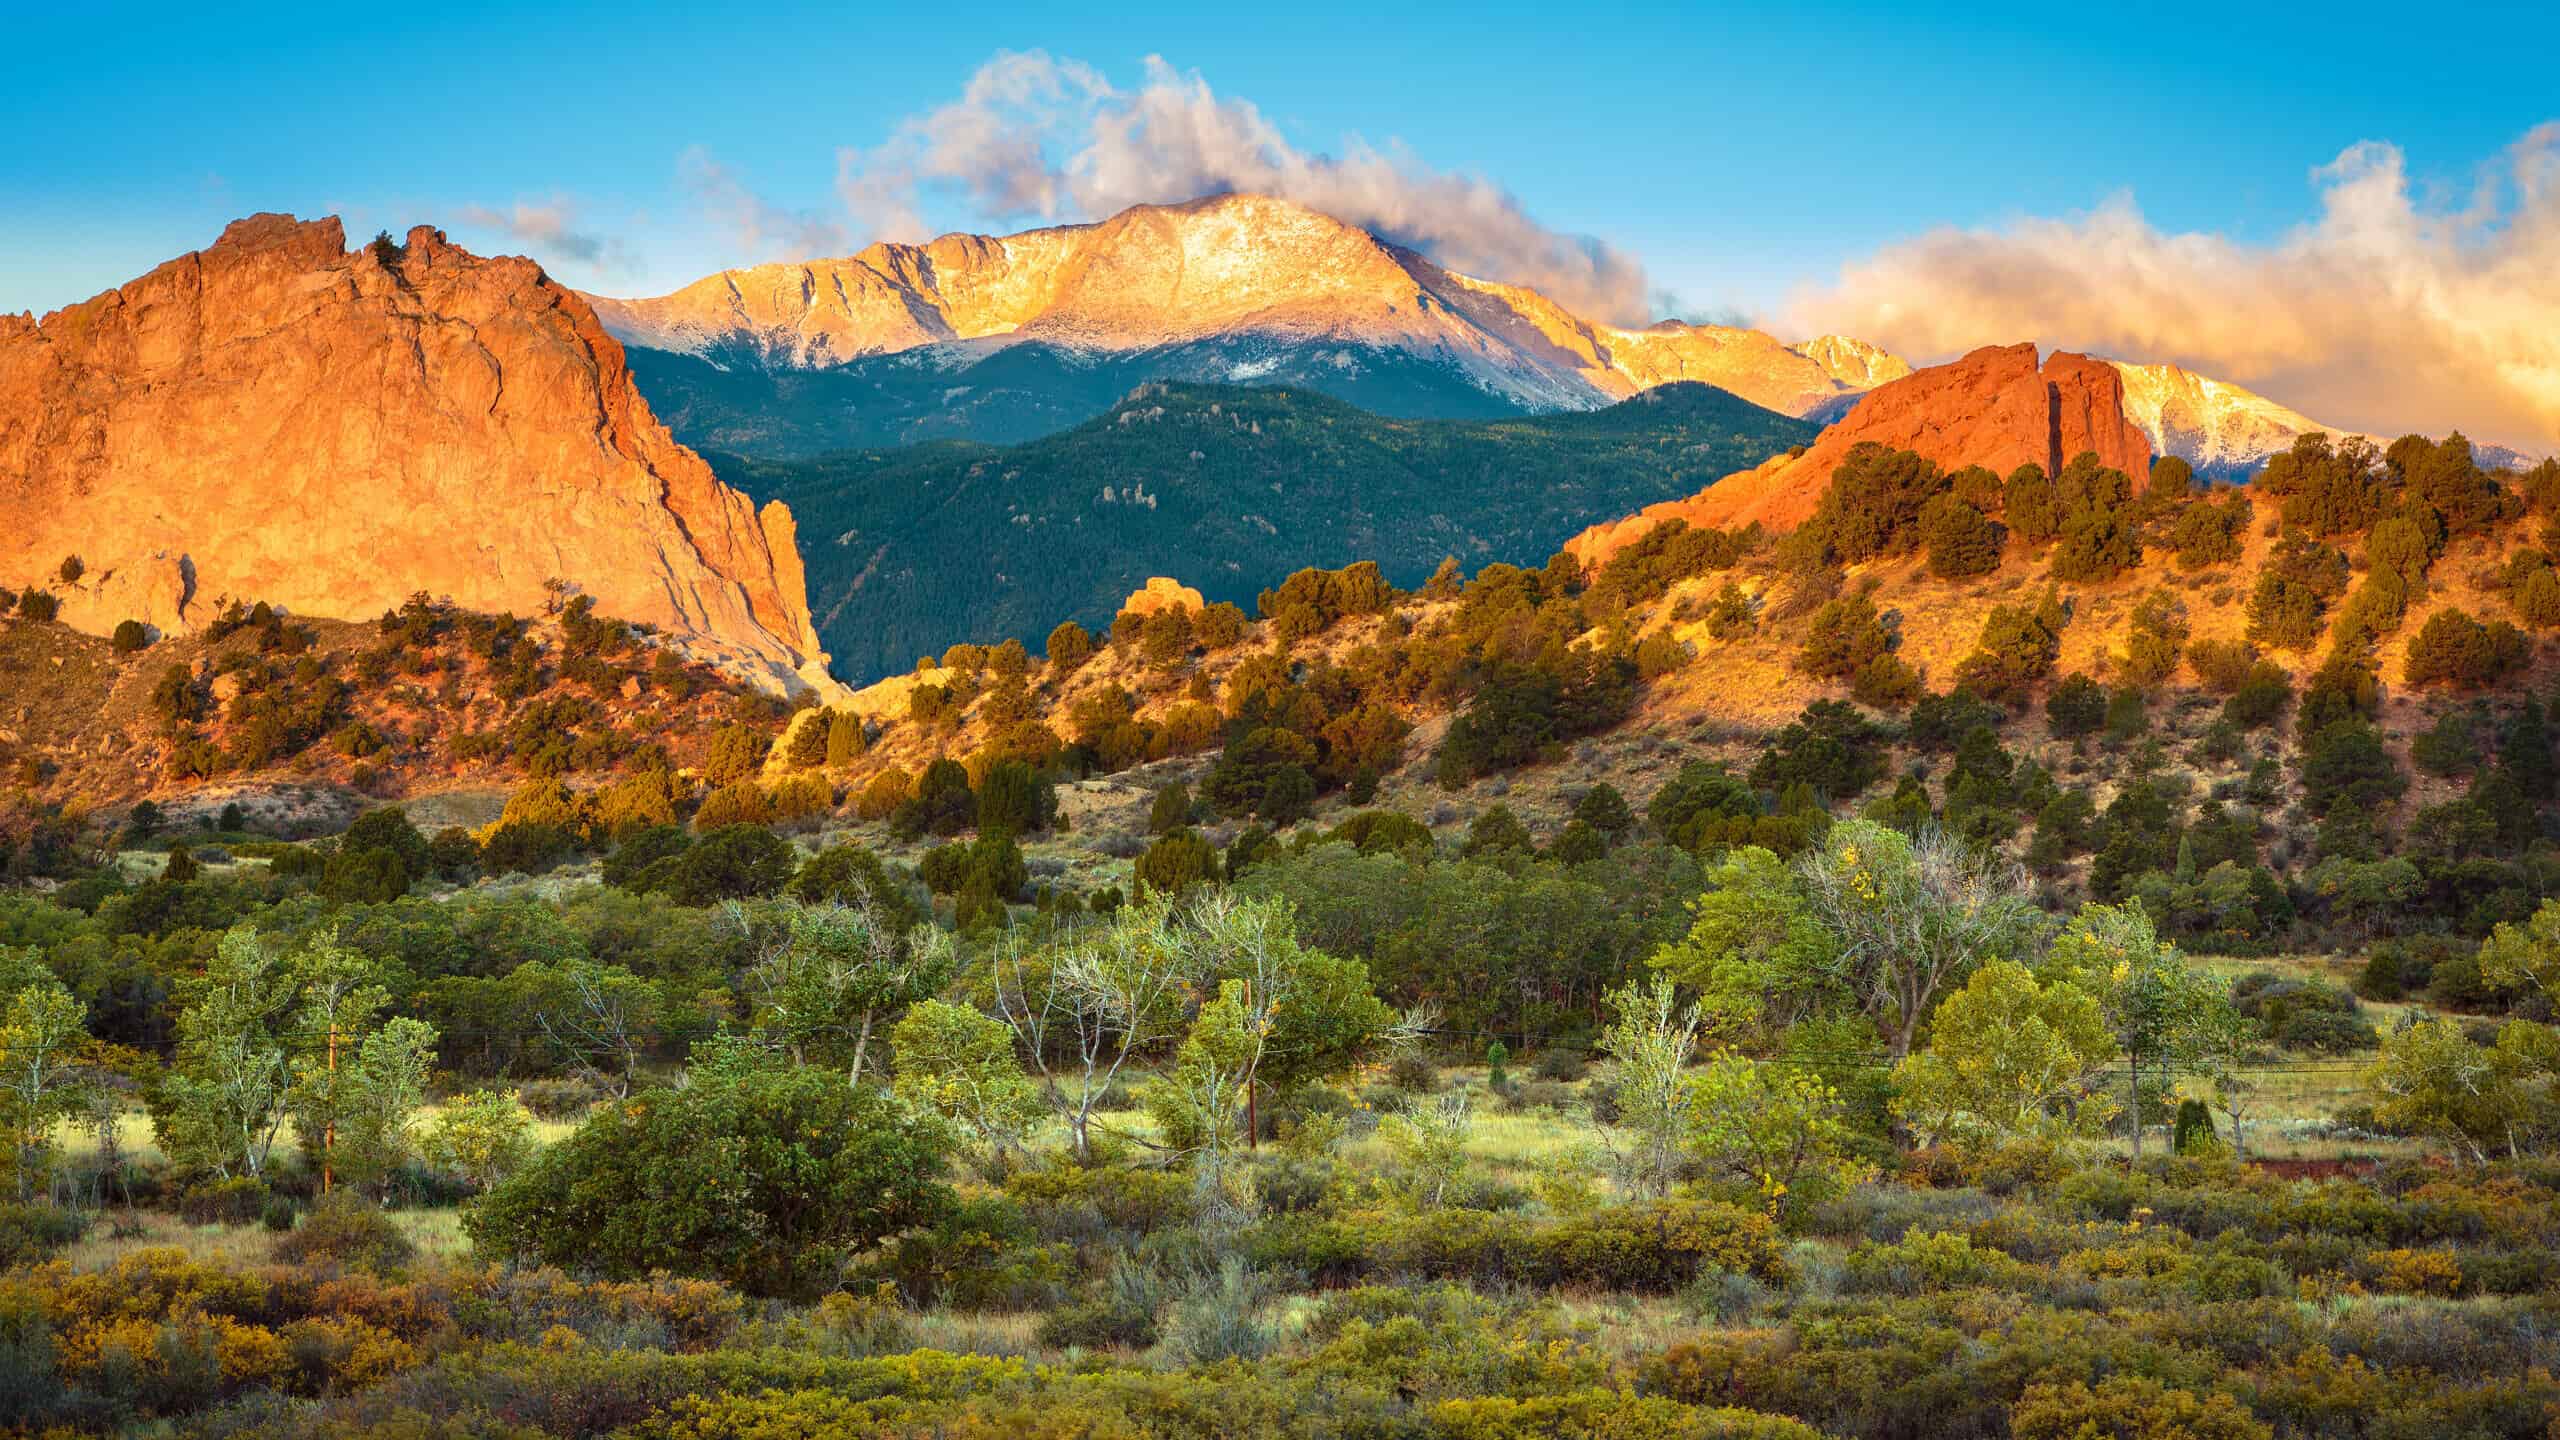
[(1229, 271)]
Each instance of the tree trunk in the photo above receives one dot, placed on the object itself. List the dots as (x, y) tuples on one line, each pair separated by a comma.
[(861, 1042), (2133, 1067)]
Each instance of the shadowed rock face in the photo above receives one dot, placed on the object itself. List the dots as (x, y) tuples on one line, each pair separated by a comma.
[(275, 418), (1996, 407)]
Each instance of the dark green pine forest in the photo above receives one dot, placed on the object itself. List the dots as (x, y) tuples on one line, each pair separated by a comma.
[(1224, 488)]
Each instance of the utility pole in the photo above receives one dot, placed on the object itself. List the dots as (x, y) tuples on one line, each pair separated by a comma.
[(329, 1132)]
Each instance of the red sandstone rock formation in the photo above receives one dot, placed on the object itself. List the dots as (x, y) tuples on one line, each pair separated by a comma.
[(1995, 407), (278, 418)]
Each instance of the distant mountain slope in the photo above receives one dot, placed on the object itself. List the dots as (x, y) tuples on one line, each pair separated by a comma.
[(1000, 337), (2227, 432), (1226, 488)]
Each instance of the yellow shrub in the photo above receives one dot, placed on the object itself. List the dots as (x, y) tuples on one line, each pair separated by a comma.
[(802, 797), (887, 791), (2417, 1272)]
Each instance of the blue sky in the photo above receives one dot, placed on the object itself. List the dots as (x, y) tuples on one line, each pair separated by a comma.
[(1740, 154)]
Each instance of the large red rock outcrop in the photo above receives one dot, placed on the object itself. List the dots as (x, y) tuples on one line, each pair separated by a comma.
[(278, 418), (1995, 407)]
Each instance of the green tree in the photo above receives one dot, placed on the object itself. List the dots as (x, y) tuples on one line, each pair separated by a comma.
[(1084, 1002), (2172, 482), (1781, 1128), (41, 1040), (1200, 1104), (342, 1000), (2018, 647), (1649, 1041), (2161, 1011), (222, 1105), (391, 1069), (481, 1138), (2096, 544), (1176, 862), (1498, 831), (597, 1018), (1846, 634), (2431, 1079), (1912, 917), (850, 874), (847, 739), (2537, 599), (733, 862), (2008, 1056), (1016, 798), (2527, 956), (959, 1063), (2076, 708), (1605, 810), (1754, 954), (805, 743), (1170, 810), (827, 977), (737, 753), (1068, 647), (765, 1176), (1962, 540)]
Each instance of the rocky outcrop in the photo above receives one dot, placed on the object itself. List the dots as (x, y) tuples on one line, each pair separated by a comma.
[(277, 418), (1996, 407)]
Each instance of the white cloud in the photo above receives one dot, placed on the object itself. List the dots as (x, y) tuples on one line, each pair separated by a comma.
[(765, 230), (1037, 138), (2386, 312), (550, 229)]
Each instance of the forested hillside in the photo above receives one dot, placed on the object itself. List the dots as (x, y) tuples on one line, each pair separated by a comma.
[(1226, 488), (2031, 956)]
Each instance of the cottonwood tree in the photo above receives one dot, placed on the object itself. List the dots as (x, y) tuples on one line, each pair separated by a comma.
[(390, 1084), (1088, 1001), (1084, 1004), (1755, 954), (1317, 1012), (1283, 1015), (2525, 956), (827, 976), (1651, 1040), (598, 1017), (1777, 1125), (1912, 917), (2230, 1050), (1198, 1105), (222, 1105), (959, 1063), (40, 1078), (2008, 1056), (2433, 1080), (2475, 1099), (2163, 1013)]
